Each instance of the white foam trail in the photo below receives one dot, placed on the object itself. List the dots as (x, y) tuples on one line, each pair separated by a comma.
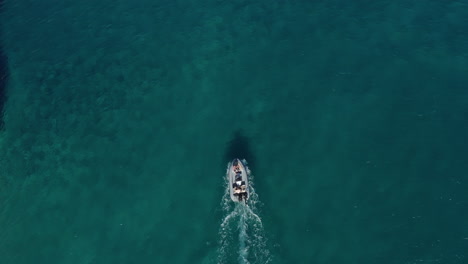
[(243, 238), (242, 222)]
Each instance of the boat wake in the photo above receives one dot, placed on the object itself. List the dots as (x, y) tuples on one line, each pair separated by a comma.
[(241, 234)]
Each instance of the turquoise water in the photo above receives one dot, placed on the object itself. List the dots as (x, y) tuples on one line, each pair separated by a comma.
[(122, 115)]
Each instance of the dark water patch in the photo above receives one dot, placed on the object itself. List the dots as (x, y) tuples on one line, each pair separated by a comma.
[(239, 147), (3, 76), (3, 83)]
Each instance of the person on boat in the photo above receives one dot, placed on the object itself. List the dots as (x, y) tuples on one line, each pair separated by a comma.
[(237, 186), (239, 183), (238, 177), (243, 188)]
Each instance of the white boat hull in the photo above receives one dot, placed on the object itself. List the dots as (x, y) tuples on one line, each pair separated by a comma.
[(242, 194)]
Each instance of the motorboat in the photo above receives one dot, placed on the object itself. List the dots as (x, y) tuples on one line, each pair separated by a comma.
[(238, 173)]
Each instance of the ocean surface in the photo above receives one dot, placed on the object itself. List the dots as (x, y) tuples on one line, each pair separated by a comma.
[(120, 117)]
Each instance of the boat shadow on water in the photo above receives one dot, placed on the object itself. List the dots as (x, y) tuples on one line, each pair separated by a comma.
[(239, 147)]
